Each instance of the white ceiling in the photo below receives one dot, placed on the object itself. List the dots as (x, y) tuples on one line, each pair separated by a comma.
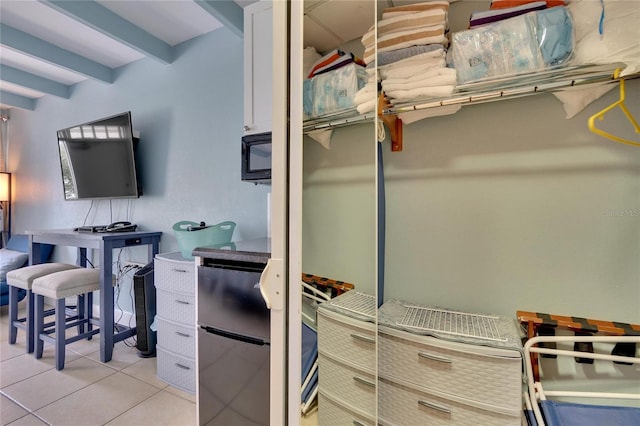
[(48, 46)]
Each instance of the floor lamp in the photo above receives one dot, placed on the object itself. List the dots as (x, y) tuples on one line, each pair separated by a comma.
[(5, 205)]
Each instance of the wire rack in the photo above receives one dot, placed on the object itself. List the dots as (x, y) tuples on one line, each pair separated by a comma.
[(359, 303), (451, 322)]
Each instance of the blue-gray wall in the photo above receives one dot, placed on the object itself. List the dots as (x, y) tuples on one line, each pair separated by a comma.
[(189, 115)]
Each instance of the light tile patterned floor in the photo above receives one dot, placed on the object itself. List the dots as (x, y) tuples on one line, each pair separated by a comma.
[(124, 391), (86, 392)]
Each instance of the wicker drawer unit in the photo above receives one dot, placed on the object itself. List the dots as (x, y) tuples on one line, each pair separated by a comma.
[(443, 367), (347, 339), (400, 405), (175, 282), (451, 367), (338, 413), (346, 362)]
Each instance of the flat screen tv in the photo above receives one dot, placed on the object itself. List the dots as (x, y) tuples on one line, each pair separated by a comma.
[(97, 159)]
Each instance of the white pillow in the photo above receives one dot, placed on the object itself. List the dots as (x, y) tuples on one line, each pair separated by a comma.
[(10, 260)]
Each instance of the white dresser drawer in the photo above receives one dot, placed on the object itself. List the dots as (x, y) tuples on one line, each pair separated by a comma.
[(490, 375), (332, 413), (347, 339), (176, 307), (343, 383), (174, 275), (177, 338), (400, 405), (176, 370)]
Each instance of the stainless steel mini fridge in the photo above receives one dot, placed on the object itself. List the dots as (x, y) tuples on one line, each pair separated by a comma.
[(233, 336)]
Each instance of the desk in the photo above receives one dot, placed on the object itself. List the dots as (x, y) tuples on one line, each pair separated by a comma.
[(105, 243)]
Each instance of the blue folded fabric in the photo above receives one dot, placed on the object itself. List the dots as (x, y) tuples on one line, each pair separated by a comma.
[(555, 35)]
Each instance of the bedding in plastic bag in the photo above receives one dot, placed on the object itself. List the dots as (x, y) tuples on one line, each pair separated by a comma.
[(525, 43), (333, 91)]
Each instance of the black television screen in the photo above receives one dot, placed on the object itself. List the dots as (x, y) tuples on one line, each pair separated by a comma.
[(97, 159)]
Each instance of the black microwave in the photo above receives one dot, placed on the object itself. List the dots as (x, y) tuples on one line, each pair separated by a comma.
[(256, 158)]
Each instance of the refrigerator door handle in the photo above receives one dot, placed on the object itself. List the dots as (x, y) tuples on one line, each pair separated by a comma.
[(271, 284)]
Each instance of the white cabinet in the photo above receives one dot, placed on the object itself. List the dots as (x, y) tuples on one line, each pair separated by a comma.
[(258, 64), (175, 283)]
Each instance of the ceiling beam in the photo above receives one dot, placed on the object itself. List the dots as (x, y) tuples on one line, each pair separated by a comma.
[(113, 25), (35, 82), (228, 12), (40, 49), (17, 101)]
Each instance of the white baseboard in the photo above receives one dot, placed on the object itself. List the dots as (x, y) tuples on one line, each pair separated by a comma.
[(121, 317)]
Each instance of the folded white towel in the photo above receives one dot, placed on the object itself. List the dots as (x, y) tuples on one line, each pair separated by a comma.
[(390, 12), (436, 80), (367, 106), (405, 22), (431, 72), (425, 35), (368, 92), (411, 70), (422, 92)]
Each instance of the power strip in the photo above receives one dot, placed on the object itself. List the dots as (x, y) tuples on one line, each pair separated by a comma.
[(134, 264)]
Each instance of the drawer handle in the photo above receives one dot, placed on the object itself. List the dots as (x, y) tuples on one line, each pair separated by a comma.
[(434, 357), (364, 381), (182, 302), (184, 367), (434, 406), (363, 338), (179, 333), (357, 423), (180, 270)]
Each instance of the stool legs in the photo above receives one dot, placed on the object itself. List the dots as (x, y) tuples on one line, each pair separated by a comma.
[(60, 333), (39, 325), (84, 304), (13, 314), (13, 318)]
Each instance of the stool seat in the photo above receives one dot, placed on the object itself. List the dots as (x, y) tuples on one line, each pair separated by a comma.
[(71, 282), (23, 278)]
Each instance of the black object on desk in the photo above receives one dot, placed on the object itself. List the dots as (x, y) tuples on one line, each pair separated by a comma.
[(105, 243)]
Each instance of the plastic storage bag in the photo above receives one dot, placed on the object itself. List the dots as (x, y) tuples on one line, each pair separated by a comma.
[(522, 44)]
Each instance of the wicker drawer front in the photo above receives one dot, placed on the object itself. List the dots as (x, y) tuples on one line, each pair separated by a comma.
[(177, 338), (331, 413), (400, 405), (177, 370), (176, 307), (176, 276), (475, 375), (343, 383), (347, 339)]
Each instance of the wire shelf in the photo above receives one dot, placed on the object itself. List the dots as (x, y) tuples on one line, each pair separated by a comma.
[(451, 322), (357, 302)]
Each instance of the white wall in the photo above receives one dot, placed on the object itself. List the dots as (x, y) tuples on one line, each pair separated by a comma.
[(189, 115)]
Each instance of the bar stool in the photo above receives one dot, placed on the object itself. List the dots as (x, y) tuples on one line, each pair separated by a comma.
[(80, 282), (23, 278)]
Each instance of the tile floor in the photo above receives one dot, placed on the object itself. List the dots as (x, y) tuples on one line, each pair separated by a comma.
[(87, 392), (124, 391)]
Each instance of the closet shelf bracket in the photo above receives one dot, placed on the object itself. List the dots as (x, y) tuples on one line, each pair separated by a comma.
[(393, 123)]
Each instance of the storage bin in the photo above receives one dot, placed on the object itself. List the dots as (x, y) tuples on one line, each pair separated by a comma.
[(189, 239)]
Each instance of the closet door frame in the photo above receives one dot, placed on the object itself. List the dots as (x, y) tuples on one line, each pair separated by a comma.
[(294, 330)]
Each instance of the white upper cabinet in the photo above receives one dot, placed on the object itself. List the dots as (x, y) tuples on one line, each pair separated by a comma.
[(258, 48)]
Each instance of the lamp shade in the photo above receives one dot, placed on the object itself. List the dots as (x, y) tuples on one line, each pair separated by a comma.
[(5, 186)]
